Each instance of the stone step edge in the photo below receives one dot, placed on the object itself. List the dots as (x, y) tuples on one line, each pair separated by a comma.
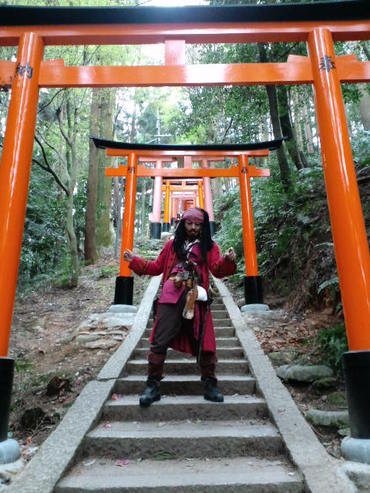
[(185, 430), (232, 361), (180, 400), (189, 378), (273, 476)]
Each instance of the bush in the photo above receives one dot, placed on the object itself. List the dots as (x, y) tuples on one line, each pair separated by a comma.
[(333, 342)]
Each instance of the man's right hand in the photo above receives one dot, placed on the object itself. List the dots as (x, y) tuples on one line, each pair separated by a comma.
[(128, 255)]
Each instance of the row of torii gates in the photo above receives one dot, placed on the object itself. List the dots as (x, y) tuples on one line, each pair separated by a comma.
[(317, 24), (204, 154)]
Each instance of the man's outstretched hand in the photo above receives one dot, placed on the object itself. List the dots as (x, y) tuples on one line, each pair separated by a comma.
[(128, 255), (230, 255)]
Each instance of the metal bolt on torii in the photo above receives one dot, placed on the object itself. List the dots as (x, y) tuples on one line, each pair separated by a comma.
[(124, 283)]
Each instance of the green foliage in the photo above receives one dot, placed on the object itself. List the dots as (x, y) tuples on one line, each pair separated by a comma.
[(333, 343), (334, 281), (108, 271), (291, 229), (44, 244), (22, 365)]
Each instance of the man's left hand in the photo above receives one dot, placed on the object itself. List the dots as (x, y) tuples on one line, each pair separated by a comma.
[(230, 255)]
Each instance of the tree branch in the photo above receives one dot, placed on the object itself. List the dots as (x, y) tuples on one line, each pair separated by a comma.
[(365, 49), (65, 136), (227, 130), (52, 172), (48, 168), (51, 100), (53, 148)]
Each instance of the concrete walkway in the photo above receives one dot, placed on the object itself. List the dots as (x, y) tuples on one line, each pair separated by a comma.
[(256, 441)]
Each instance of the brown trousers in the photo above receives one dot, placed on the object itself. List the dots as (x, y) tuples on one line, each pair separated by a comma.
[(170, 324)]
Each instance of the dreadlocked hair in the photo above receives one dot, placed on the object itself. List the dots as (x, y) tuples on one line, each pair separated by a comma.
[(205, 239)]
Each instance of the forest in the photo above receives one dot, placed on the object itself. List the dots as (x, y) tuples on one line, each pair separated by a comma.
[(72, 212)]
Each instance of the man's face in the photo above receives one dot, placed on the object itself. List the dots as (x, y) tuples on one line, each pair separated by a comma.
[(192, 229)]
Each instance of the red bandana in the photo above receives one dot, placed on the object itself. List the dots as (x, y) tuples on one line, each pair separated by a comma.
[(194, 214)]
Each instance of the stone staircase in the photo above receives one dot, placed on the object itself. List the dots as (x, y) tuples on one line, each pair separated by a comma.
[(183, 443)]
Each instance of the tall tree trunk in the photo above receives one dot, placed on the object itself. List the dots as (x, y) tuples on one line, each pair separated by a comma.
[(72, 242), (287, 128), (68, 113), (92, 183), (308, 129), (275, 121), (103, 229), (143, 209), (365, 108)]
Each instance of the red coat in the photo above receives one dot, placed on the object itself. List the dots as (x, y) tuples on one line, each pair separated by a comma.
[(219, 267)]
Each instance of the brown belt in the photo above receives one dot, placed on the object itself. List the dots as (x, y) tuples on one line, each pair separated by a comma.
[(188, 283)]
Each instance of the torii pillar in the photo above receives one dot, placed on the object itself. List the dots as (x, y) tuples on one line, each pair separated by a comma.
[(349, 235), (14, 179), (208, 205), (155, 225), (125, 282), (166, 214), (173, 209), (253, 292)]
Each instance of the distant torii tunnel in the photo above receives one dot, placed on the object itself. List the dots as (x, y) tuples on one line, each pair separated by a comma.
[(177, 194), (33, 28), (243, 172)]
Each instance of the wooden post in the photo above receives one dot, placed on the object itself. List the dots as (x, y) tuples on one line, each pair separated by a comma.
[(348, 228), (200, 194), (125, 282), (252, 281), (155, 226), (166, 215), (15, 171), (347, 222), (208, 198)]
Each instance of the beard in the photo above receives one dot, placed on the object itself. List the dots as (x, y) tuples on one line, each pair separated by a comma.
[(192, 235)]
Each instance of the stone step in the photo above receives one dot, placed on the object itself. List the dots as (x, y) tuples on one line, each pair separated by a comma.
[(221, 342), (185, 407), (187, 367), (187, 385), (223, 321), (220, 331), (216, 314), (183, 439), (217, 306), (226, 475), (222, 353), (218, 311)]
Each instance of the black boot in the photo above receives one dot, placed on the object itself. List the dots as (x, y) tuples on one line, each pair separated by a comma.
[(212, 392), (151, 393)]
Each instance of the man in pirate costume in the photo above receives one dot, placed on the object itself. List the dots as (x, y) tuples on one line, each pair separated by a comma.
[(183, 320)]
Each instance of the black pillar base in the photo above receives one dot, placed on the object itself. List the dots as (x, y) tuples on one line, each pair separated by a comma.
[(6, 384), (253, 292), (356, 367), (172, 221), (155, 230), (212, 227), (166, 227), (124, 292)]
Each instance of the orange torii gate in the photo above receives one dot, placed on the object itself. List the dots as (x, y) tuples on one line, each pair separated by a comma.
[(252, 281), (33, 28), (180, 193)]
